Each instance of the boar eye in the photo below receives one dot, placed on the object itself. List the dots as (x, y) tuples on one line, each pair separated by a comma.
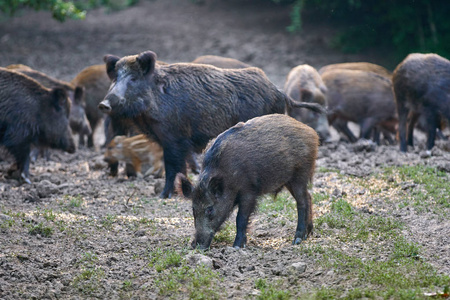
[(209, 211)]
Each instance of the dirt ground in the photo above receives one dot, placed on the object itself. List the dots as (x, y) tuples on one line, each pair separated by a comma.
[(115, 223)]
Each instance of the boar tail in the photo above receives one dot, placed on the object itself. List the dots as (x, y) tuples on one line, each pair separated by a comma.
[(315, 107)]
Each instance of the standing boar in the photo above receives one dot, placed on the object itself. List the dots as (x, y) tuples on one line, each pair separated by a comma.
[(362, 97), (304, 84), (362, 66), (78, 121), (182, 106), (96, 82), (136, 150), (32, 114), (248, 160), (421, 87), (220, 62)]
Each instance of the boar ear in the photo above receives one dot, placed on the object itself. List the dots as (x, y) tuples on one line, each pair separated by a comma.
[(111, 61), (306, 95), (59, 99), (147, 61), (183, 186), (216, 186), (78, 95)]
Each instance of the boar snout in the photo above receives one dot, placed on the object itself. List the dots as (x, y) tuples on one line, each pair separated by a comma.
[(105, 106)]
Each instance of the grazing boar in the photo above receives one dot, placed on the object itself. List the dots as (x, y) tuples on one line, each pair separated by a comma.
[(221, 62), (78, 120), (182, 106), (95, 82), (136, 150), (32, 114), (304, 84), (250, 159), (362, 97), (421, 84), (362, 66)]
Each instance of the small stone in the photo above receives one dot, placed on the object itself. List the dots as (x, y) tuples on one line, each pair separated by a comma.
[(200, 259), (298, 267)]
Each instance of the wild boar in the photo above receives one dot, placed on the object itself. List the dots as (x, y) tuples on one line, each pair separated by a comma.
[(362, 66), (32, 114), (362, 97), (421, 86), (304, 84), (182, 106), (136, 150), (250, 159)]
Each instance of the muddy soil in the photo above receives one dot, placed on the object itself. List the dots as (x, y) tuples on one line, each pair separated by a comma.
[(115, 223)]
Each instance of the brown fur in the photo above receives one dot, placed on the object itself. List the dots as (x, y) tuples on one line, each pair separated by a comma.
[(248, 160), (221, 62), (362, 66), (136, 150), (362, 97), (304, 84)]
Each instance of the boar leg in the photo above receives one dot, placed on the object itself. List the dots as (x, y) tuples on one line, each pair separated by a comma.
[(21, 153), (341, 126), (304, 210), (414, 116), (432, 124), (246, 207), (174, 162)]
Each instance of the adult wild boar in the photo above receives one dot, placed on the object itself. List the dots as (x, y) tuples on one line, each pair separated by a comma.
[(304, 84), (421, 87), (32, 114), (221, 62), (249, 160), (362, 97), (78, 120), (182, 106), (95, 82)]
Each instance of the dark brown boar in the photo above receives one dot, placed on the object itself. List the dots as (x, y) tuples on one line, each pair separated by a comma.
[(95, 82), (421, 86), (248, 160), (362, 97), (362, 66), (182, 106), (304, 84), (32, 114), (221, 62), (78, 120)]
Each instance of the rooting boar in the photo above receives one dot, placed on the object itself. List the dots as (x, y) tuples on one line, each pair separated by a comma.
[(249, 160), (136, 150), (78, 120), (421, 85), (361, 66), (96, 82), (182, 106), (221, 62), (365, 98), (304, 84), (32, 114)]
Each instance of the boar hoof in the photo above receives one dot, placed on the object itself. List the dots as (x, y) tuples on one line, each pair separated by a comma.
[(25, 178), (297, 241)]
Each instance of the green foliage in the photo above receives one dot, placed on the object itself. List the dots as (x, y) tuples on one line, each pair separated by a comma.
[(61, 10), (404, 26)]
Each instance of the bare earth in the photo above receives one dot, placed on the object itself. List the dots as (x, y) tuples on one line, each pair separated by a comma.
[(117, 224)]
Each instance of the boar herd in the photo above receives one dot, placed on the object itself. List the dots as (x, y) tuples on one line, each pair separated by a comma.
[(255, 138)]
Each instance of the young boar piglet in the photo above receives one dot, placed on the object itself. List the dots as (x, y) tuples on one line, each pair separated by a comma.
[(250, 159)]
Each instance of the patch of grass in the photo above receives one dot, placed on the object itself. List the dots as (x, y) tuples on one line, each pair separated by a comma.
[(317, 198), (432, 188), (45, 231), (227, 233), (177, 278), (49, 215), (108, 221), (283, 205), (270, 291)]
